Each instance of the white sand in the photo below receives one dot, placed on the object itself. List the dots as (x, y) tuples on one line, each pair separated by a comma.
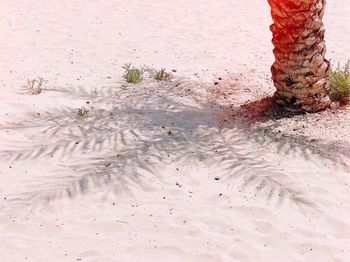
[(163, 171)]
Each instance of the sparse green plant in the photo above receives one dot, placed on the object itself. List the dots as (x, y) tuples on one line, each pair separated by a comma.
[(162, 75), (34, 86), (132, 74), (82, 112), (340, 84)]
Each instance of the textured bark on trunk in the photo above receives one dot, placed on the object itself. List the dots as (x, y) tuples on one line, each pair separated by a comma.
[(300, 71)]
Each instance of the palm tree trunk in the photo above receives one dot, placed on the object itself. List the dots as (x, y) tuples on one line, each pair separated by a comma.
[(300, 71)]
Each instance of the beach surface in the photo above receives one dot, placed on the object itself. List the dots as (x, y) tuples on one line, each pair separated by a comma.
[(199, 168)]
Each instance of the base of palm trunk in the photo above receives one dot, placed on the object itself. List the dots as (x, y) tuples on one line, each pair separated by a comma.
[(302, 102), (300, 72)]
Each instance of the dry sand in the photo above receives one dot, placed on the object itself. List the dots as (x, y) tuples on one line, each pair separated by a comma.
[(187, 170)]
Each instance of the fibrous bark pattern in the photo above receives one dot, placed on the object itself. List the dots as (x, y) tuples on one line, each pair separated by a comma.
[(300, 71)]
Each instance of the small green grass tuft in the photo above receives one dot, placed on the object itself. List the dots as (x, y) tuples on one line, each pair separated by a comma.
[(82, 112), (340, 84), (132, 74), (34, 86), (162, 75)]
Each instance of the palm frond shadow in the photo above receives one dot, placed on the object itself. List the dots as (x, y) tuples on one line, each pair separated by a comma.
[(264, 110), (130, 130)]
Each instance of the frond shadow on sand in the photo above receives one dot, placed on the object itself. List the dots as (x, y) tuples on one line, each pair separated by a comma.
[(129, 130)]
